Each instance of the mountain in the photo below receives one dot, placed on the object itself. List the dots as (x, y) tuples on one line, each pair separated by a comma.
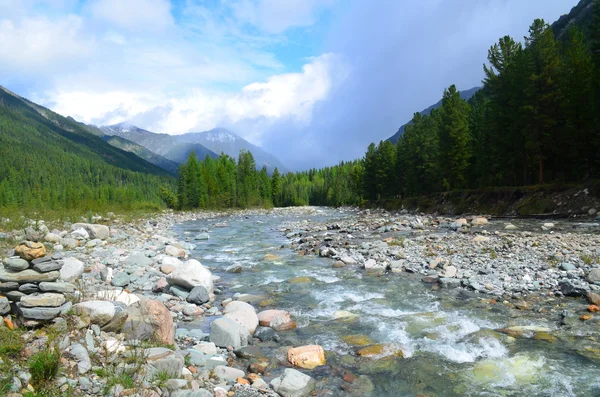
[(580, 15), (170, 166), (466, 95), (165, 145), (220, 140), (52, 162), (178, 147)]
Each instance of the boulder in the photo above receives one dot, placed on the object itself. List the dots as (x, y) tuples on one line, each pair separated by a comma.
[(226, 332), (10, 286), (71, 270), (95, 312), (198, 295), (479, 221), (279, 320), (348, 260), (47, 266), (293, 383), (16, 264), (52, 238), (94, 231), (43, 300), (192, 274), (69, 243), (27, 276), (121, 279), (150, 320), (480, 239), (174, 251), (38, 313), (84, 364), (163, 360), (57, 287), (202, 236), (228, 374), (138, 259), (242, 313), (80, 234), (307, 357), (593, 276), (30, 250)]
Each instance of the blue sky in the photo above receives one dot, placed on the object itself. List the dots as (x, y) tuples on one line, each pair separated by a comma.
[(313, 81)]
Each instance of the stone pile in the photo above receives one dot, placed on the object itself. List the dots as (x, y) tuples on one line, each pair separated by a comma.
[(33, 286)]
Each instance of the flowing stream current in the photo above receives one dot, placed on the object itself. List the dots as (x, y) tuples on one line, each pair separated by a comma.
[(445, 336)]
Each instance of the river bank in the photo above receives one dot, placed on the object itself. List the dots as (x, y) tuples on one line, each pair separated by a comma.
[(390, 298)]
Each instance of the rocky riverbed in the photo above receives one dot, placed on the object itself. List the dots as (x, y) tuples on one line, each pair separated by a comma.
[(305, 301)]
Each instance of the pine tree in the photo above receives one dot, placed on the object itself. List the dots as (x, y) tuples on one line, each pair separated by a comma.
[(455, 145)]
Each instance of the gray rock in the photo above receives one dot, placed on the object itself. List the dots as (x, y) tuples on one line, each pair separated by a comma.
[(293, 383), (446, 282), (47, 266), (121, 279), (16, 264), (179, 291), (202, 236), (228, 374), (38, 313), (227, 332), (265, 334), (160, 359), (594, 276), (10, 286), (569, 288), (57, 287), (234, 269), (27, 276), (82, 357), (198, 295), (48, 299), (4, 305), (28, 288), (71, 270), (138, 259), (192, 393), (69, 243), (567, 266), (14, 296)]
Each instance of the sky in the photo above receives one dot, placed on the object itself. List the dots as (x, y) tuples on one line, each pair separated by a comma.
[(311, 81)]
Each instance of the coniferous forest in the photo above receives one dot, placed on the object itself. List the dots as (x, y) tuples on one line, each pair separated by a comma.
[(536, 120)]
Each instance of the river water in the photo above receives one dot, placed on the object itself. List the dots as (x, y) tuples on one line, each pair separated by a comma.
[(445, 336)]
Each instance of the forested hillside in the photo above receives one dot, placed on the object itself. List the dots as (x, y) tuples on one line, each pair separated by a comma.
[(536, 120), (51, 162)]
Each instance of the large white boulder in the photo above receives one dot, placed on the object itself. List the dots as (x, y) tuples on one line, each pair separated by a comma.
[(242, 313), (191, 274), (95, 231)]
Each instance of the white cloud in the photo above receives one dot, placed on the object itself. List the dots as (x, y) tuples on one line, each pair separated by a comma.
[(133, 15), (289, 95), (276, 16), (38, 42)]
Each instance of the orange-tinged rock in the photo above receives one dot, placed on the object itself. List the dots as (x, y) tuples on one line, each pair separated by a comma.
[(271, 257), (192, 369), (358, 340), (29, 250), (585, 317), (253, 377), (243, 381), (307, 357), (350, 378), (9, 323), (279, 320), (593, 309), (379, 350)]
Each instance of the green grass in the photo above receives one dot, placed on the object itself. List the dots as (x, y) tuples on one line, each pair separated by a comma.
[(44, 367), (160, 378), (11, 342)]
